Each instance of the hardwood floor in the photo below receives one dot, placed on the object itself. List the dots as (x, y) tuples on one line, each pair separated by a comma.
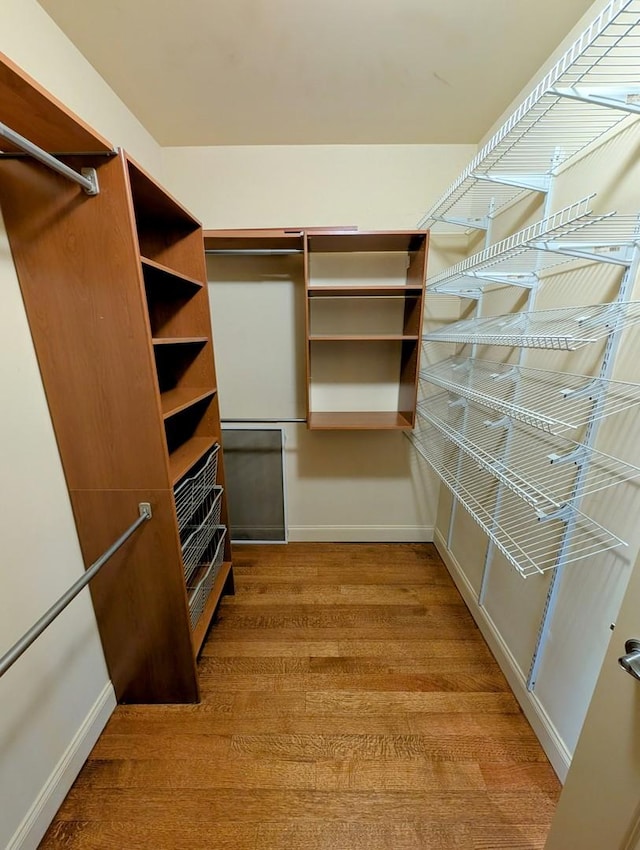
[(349, 703)]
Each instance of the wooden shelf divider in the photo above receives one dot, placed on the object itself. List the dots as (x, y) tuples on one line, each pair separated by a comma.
[(187, 455), (183, 340), (157, 272), (179, 399)]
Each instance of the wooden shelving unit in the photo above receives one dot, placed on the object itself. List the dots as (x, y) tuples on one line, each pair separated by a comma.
[(363, 322), (114, 289), (349, 306)]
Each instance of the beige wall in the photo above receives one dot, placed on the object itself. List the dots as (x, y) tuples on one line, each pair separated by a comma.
[(340, 486), (57, 697)]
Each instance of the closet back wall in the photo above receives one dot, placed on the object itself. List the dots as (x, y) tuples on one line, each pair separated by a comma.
[(340, 485)]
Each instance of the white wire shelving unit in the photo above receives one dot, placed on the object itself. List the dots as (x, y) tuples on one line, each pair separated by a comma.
[(590, 90), (560, 329), (569, 234), (551, 401), (528, 540), (542, 470), (515, 444)]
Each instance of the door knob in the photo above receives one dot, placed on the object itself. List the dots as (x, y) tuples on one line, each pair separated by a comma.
[(631, 660)]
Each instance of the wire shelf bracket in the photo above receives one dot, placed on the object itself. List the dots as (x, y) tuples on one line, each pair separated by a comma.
[(573, 232), (583, 97)]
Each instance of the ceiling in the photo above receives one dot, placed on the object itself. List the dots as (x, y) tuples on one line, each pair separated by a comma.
[(260, 72)]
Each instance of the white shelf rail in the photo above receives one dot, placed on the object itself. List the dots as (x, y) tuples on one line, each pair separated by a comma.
[(562, 329), (586, 94), (551, 401), (573, 232), (530, 544), (541, 470)]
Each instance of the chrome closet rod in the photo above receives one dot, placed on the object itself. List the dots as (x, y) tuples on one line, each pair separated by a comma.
[(88, 179), (253, 252), (260, 421), (10, 657)]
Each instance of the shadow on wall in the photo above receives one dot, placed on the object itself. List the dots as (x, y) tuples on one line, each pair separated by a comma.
[(352, 454)]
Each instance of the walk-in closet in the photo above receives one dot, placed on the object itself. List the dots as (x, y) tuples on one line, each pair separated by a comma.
[(321, 332)]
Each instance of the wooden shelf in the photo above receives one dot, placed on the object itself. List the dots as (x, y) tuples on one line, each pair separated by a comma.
[(370, 291), (152, 202), (358, 421), (361, 338), (156, 273), (366, 241), (176, 400), (189, 453), (34, 113), (202, 626), (253, 240), (181, 340)]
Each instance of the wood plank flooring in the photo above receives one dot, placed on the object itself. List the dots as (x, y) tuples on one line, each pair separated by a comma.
[(349, 703)]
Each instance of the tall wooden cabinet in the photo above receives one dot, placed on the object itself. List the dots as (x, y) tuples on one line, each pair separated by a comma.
[(115, 291)]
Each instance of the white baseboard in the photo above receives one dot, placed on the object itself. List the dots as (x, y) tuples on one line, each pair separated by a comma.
[(551, 742), (36, 822), (360, 534)]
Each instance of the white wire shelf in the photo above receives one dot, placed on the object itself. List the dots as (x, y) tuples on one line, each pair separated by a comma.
[(551, 401), (540, 469), (573, 232), (563, 329), (585, 95), (529, 544)]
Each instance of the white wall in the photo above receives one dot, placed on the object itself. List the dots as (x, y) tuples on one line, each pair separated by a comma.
[(56, 699), (590, 590), (340, 485)]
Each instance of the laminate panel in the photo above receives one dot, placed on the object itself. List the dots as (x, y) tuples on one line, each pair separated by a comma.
[(81, 282), (28, 109), (139, 596)]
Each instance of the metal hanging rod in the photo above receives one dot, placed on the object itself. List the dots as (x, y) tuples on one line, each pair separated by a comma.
[(253, 252), (10, 657), (301, 420), (87, 178)]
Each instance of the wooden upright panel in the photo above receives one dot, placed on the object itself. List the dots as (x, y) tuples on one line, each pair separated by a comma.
[(32, 112), (79, 273), (79, 270)]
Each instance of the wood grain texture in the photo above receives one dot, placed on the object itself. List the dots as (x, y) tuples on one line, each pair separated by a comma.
[(332, 735), (30, 110)]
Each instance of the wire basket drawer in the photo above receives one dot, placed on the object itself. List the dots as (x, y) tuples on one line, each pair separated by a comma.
[(197, 535), (200, 590), (191, 493)]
